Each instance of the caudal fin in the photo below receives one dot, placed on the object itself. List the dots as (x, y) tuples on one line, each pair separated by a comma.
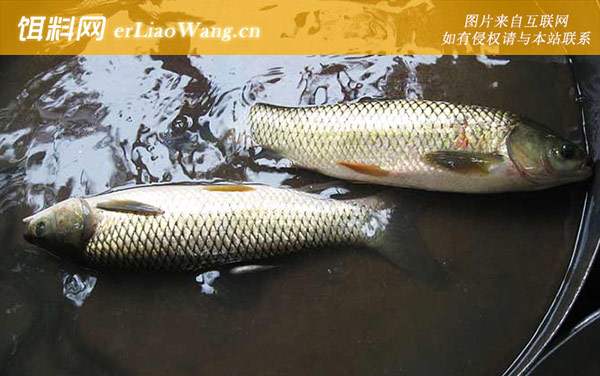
[(399, 240)]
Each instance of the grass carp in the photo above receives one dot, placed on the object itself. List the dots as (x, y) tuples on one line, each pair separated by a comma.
[(430, 145), (193, 227)]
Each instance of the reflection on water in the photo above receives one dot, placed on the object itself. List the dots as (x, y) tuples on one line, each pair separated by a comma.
[(77, 288), (93, 123)]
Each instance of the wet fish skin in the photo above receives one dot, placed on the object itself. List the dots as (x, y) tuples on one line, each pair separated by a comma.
[(198, 226), (423, 144)]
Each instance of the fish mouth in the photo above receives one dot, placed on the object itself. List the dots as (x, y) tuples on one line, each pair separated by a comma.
[(28, 238), (28, 233), (587, 169), (584, 171), (552, 175)]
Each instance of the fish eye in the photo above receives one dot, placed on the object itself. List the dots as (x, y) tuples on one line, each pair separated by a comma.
[(40, 228), (568, 151)]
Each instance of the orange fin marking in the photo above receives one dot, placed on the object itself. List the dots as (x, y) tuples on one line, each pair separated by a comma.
[(229, 188), (365, 169)]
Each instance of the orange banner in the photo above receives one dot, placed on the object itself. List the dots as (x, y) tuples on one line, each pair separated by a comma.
[(544, 27)]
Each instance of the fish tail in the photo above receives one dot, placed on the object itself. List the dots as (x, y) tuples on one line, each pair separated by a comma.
[(243, 141), (392, 232)]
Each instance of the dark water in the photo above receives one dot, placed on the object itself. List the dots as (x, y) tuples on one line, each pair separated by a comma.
[(90, 124)]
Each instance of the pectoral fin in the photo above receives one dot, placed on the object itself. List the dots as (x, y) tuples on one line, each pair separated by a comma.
[(247, 269), (365, 169), (235, 288), (463, 162), (129, 206)]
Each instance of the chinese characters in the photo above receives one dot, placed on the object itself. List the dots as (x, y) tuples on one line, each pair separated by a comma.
[(61, 28), (504, 30)]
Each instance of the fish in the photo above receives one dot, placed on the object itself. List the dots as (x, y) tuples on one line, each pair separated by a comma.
[(192, 227), (422, 144)]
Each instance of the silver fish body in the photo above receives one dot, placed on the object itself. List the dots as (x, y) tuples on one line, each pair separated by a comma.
[(192, 227), (413, 143)]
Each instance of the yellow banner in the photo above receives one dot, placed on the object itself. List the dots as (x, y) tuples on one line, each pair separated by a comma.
[(544, 27)]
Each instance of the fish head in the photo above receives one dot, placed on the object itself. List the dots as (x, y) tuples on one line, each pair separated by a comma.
[(62, 229), (545, 158)]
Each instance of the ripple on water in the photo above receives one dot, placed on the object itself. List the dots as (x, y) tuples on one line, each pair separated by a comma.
[(97, 122)]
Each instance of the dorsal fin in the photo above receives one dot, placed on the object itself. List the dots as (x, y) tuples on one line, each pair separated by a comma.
[(129, 206), (229, 188)]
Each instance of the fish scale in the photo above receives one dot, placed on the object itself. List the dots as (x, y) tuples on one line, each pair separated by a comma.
[(200, 228)]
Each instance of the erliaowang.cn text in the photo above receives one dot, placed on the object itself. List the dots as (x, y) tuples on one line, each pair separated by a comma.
[(75, 28)]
